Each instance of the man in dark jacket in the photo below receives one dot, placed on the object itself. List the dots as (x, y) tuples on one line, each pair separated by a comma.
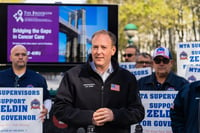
[(185, 114), (20, 76), (163, 78), (99, 96)]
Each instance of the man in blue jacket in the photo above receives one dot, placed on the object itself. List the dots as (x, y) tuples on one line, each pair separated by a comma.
[(162, 78), (19, 76), (185, 114), (99, 96)]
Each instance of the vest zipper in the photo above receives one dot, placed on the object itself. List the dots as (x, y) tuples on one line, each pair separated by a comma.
[(102, 96)]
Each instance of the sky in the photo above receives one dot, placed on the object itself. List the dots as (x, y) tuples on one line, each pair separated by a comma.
[(94, 16), (53, 1)]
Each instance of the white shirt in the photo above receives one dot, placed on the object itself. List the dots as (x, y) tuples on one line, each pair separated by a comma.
[(105, 74)]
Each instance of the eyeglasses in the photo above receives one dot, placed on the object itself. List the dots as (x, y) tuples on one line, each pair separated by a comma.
[(143, 62), (159, 60), (128, 55)]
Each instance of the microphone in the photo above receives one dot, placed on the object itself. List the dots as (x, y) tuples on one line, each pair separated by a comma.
[(138, 129), (80, 130), (91, 129)]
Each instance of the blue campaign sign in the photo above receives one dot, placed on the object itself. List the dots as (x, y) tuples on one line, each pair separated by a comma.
[(192, 73), (127, 65), (20, 110), (157, 111), (188, 53), (138, 72)]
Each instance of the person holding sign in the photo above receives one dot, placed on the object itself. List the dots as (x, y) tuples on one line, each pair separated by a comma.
[(185, 114), (19, 76), (163, 78), (159, 89), (99, 96)]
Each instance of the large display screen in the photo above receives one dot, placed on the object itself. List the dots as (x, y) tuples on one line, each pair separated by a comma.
[(54, 33)]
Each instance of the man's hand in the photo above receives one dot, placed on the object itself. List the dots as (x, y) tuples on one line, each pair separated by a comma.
[(101, 116), (43, 113)]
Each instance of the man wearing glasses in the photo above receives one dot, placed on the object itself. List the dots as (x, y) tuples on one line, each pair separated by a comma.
[(130, 53), (163, 78), (143, 60)]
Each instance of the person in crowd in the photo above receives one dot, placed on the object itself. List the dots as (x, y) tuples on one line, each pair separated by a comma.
[(94, 97), (185, 113), (130, 54), (19, 76), (163, 78), (144, 60)]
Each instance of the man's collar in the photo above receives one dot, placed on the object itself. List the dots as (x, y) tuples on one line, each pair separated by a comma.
[(109, 70)]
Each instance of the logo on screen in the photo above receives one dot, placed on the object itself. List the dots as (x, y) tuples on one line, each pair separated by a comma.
[(18, 16)]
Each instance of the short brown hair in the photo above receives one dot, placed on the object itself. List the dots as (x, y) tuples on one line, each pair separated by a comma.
[(110, 34)]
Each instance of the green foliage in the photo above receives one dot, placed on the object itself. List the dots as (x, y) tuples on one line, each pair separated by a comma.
[(159, 22)]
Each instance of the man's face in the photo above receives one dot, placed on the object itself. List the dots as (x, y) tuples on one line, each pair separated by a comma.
[(142, 62), (102, 51), (19, 57), (162, 66), (130, 55)]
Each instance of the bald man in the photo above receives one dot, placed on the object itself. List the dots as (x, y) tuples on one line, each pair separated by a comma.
[(19, 76)]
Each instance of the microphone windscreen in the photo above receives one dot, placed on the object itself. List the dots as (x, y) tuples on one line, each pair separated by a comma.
[(91, 129), (80, 130)]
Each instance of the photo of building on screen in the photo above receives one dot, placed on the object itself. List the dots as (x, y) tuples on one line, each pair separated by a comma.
[(76, 26)]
